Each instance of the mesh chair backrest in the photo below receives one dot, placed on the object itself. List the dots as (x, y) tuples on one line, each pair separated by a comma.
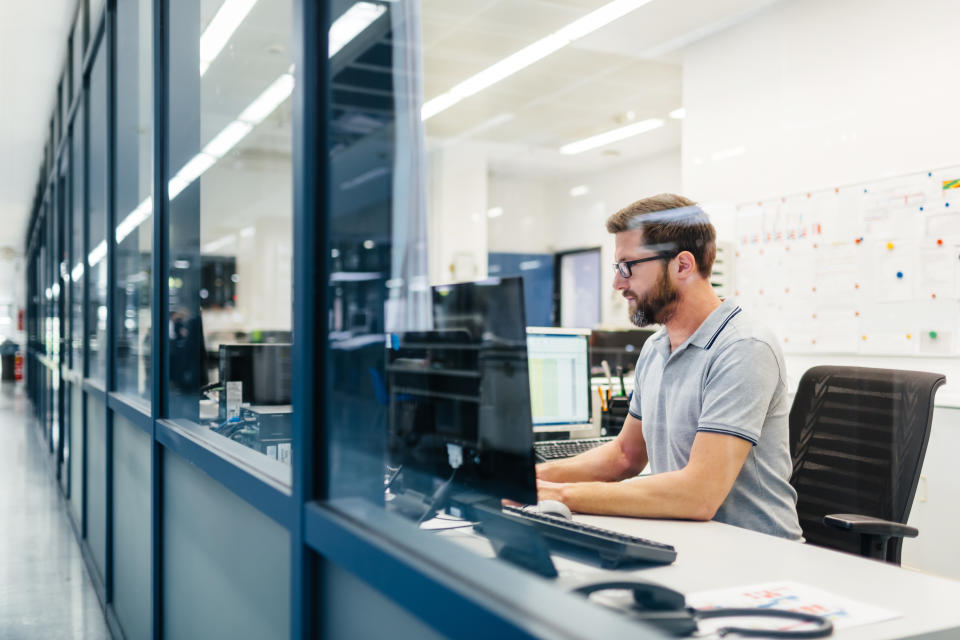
[(857, 437)]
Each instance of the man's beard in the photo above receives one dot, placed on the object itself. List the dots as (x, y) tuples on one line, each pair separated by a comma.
[(658, 305)]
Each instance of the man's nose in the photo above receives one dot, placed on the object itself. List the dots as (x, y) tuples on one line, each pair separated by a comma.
[(619, 282)]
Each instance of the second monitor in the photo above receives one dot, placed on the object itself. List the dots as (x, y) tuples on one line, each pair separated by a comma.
[(559, 378)]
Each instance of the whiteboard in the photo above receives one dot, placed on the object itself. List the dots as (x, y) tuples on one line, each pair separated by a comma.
[(871, 268)]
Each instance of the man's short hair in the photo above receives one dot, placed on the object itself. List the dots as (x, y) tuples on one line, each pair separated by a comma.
[(673, 221)]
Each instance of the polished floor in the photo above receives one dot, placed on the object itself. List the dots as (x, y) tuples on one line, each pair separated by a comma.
[(45, 590)]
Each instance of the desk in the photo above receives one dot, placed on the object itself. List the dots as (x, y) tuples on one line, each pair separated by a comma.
[(711, 555)]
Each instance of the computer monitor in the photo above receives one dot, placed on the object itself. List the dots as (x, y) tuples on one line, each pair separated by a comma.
[(262, 369), (559, 378), (459, 400), (619, 347)]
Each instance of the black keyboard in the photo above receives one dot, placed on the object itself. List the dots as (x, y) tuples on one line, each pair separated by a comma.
[(555, 449), (613, 548)]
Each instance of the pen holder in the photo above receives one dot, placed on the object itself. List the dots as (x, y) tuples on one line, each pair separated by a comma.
[(611, 420)]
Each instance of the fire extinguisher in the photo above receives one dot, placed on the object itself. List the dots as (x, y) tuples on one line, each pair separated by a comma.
[(18, 366)]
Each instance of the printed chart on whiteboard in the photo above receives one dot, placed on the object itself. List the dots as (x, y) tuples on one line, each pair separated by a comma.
[(872, 268)]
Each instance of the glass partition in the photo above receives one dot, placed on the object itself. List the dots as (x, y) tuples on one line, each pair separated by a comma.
[(133, 197), (231, 218), (77, 256), (77, 48), (96, 269), (449, 156)]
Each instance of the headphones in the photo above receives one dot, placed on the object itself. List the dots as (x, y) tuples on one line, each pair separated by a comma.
[(665, 608)]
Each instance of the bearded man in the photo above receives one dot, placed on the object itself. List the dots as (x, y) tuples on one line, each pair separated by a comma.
[(709, 411)]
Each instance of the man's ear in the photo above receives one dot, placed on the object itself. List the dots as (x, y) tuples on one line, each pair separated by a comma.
[(686, 264)]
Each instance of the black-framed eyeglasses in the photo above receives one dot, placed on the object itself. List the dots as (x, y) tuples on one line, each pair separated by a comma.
[(624, 267)]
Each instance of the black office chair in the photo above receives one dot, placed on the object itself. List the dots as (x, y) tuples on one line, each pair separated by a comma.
[(858, 436)]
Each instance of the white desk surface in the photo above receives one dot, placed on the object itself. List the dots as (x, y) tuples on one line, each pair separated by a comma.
[(711, 555)]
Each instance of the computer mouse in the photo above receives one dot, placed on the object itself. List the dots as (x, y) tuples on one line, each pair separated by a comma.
[(554, 508)]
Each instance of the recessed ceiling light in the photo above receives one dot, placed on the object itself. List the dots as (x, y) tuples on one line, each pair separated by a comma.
[(614, 135), (579, 190), (494, 212), (678, 114)]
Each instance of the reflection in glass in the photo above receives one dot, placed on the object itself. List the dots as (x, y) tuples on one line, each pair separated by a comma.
[(96, 270), (231, 214), (133, 185), (76, 243)]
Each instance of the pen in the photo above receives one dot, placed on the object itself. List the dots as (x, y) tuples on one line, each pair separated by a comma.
[(623, 389), (603, 405)]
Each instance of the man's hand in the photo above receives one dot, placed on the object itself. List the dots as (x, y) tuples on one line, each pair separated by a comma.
[(547, 490)]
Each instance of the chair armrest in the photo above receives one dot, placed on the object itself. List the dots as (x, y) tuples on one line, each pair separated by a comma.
[(869, 526)]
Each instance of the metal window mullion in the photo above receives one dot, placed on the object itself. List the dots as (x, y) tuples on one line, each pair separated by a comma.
[(158, 308), (109, 44), (311, 100)]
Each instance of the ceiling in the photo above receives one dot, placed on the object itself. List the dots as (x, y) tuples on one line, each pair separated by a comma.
[(628, 70), (33, 51)]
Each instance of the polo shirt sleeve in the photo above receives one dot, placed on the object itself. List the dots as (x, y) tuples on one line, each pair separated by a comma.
[(634, 408), (739, 389)]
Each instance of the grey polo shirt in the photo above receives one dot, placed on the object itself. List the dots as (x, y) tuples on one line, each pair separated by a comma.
[(728, 377)]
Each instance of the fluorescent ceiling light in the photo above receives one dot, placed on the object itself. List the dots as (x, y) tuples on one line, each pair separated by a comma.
[(77, 272), (97, 254), (530, 54), (725, 154), (134, 219), (678, 114), (348, 26), (579, 190), (221, 28), (271, 98), (188, 173), (216, 245), (494, 212), (613, 135), (226, 139)]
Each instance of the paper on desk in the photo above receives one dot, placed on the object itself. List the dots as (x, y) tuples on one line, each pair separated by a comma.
[(791, 596)]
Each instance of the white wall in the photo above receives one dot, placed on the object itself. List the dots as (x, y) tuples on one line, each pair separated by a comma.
[(821, 93), (540, 216)]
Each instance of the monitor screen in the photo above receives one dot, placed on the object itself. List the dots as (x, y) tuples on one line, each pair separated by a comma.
[(491, 310), (460, 398), (559, 376)]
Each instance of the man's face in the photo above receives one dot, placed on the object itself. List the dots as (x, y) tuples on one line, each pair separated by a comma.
[(650, 293)]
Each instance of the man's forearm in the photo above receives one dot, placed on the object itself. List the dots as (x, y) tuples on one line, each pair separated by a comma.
[(667, 495), (605, 463)]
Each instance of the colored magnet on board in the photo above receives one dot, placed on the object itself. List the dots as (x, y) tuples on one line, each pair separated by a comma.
[(856, 285), (899, 275), (889, 246), (859, 240), (856, 314), (933, 335), (863, 337), (939, 242), (933, 295), (909, 337), (921, 208)]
